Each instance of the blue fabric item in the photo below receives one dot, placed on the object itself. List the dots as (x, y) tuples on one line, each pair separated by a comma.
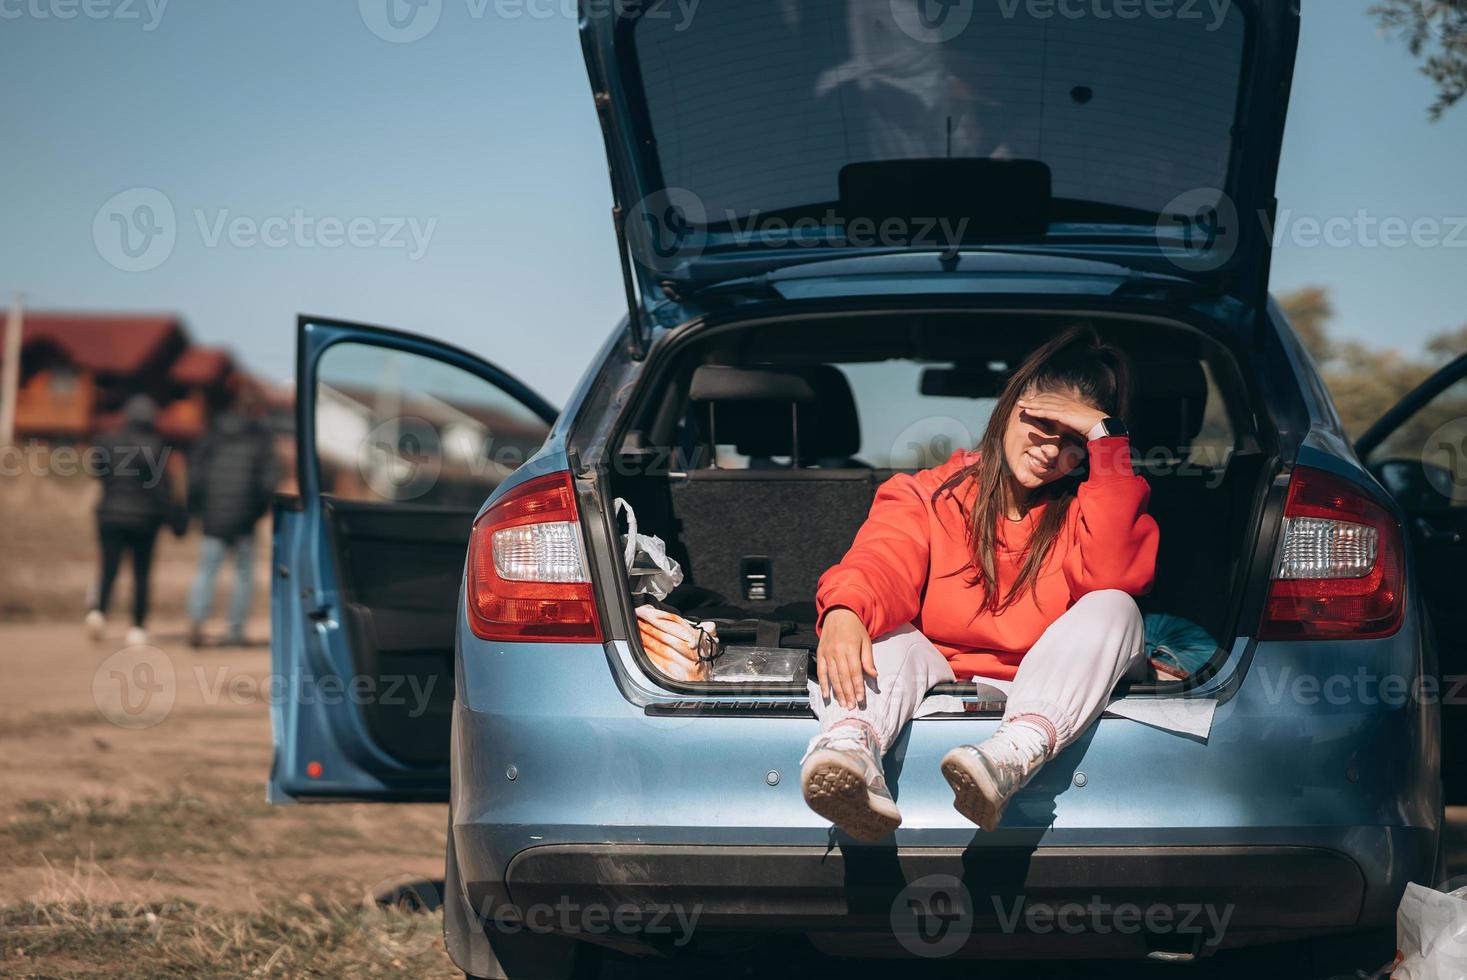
[(1178, 643)]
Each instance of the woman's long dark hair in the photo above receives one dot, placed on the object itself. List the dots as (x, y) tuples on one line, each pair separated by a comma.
[(1076, 359)]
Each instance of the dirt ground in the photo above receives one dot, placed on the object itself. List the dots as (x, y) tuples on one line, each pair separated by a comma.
[(97, 816)]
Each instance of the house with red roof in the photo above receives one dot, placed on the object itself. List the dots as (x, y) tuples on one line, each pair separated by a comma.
[(77, 370)]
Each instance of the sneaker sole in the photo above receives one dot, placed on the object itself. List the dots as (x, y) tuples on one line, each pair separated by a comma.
[(838, 793), (973, 790)]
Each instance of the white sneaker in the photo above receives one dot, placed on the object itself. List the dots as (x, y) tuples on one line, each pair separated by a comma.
[(137, 636), (843, 781), (984, 777), (96, 624)]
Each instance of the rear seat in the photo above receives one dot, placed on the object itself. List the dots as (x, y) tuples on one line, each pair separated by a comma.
[(761, 537)]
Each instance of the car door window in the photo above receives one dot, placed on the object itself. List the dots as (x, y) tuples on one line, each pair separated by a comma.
[(1423, 462), (397, 427)]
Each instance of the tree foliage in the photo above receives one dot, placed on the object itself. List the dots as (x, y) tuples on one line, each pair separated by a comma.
[(1364, 381), (1435, 31)]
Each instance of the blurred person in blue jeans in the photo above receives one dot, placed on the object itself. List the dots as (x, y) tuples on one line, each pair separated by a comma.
[(137, 499), (232, 475)]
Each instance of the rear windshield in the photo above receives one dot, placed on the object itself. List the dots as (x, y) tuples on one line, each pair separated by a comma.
[(757, 105), (902, 426)]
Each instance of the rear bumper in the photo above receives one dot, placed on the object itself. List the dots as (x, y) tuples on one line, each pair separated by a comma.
[(903, 901), (1284, 887)]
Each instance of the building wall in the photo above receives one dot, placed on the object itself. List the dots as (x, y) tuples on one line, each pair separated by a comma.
[(57, 402)]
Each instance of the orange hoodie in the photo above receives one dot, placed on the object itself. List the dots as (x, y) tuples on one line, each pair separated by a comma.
[(911, 563)]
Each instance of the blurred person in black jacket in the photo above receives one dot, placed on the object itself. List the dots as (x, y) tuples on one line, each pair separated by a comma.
[(137, 498), (232, 475)]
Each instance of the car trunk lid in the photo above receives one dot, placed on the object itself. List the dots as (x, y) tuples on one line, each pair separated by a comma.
[(1146, 136)]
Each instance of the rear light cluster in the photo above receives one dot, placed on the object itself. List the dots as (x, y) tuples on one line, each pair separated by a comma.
[(1341, 572), (527, 575)]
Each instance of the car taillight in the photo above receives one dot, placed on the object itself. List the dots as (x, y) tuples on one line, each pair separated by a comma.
[(527, 577), (1341, 572)]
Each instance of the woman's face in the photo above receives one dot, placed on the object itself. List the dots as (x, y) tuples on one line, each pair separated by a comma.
[(1039, 451)]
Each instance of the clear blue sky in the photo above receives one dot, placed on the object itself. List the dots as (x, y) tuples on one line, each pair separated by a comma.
[(485, 126)]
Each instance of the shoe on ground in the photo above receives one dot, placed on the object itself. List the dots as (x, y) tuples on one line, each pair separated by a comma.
[(843, 781), (236, 640), (96, 624), (195, 635), (985, 777), (137, 636)]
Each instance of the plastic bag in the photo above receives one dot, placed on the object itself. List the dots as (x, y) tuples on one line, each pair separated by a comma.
[(1431, 934), (652, 572)]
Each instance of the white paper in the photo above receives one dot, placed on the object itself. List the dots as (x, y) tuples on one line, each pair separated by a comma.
[(1187, 716)]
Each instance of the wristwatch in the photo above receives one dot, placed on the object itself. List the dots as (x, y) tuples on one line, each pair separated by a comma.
[(1107, 427)]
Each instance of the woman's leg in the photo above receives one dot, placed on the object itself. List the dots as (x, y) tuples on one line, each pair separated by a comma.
[(1067, 677), (142, 573), (1062, 686), (841, 773), (110, 540)]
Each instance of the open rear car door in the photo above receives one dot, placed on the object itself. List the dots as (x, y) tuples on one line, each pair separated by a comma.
[(399, 441), (1418, 451)]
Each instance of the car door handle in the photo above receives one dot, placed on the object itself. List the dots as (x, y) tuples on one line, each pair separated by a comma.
[(1431, 532)]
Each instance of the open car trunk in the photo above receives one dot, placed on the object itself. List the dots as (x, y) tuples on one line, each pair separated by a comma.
[(754, 453)]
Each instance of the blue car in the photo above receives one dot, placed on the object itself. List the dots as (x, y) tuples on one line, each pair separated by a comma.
[(840, 226)]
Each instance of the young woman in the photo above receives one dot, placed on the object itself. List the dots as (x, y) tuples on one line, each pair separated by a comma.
[(1014, 563)]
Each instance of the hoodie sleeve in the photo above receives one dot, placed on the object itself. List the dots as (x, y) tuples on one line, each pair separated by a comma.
[(1113, 543), (882, 576)]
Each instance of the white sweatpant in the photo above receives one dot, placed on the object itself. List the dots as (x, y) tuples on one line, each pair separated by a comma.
[(1066, 678)]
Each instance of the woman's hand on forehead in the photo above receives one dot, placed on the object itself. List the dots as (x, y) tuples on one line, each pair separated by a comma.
[(1064, 408)]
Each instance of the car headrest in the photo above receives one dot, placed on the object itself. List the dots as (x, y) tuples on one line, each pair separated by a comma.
[(836, 426), (1169, 399), (761, 411), (721, 383)]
